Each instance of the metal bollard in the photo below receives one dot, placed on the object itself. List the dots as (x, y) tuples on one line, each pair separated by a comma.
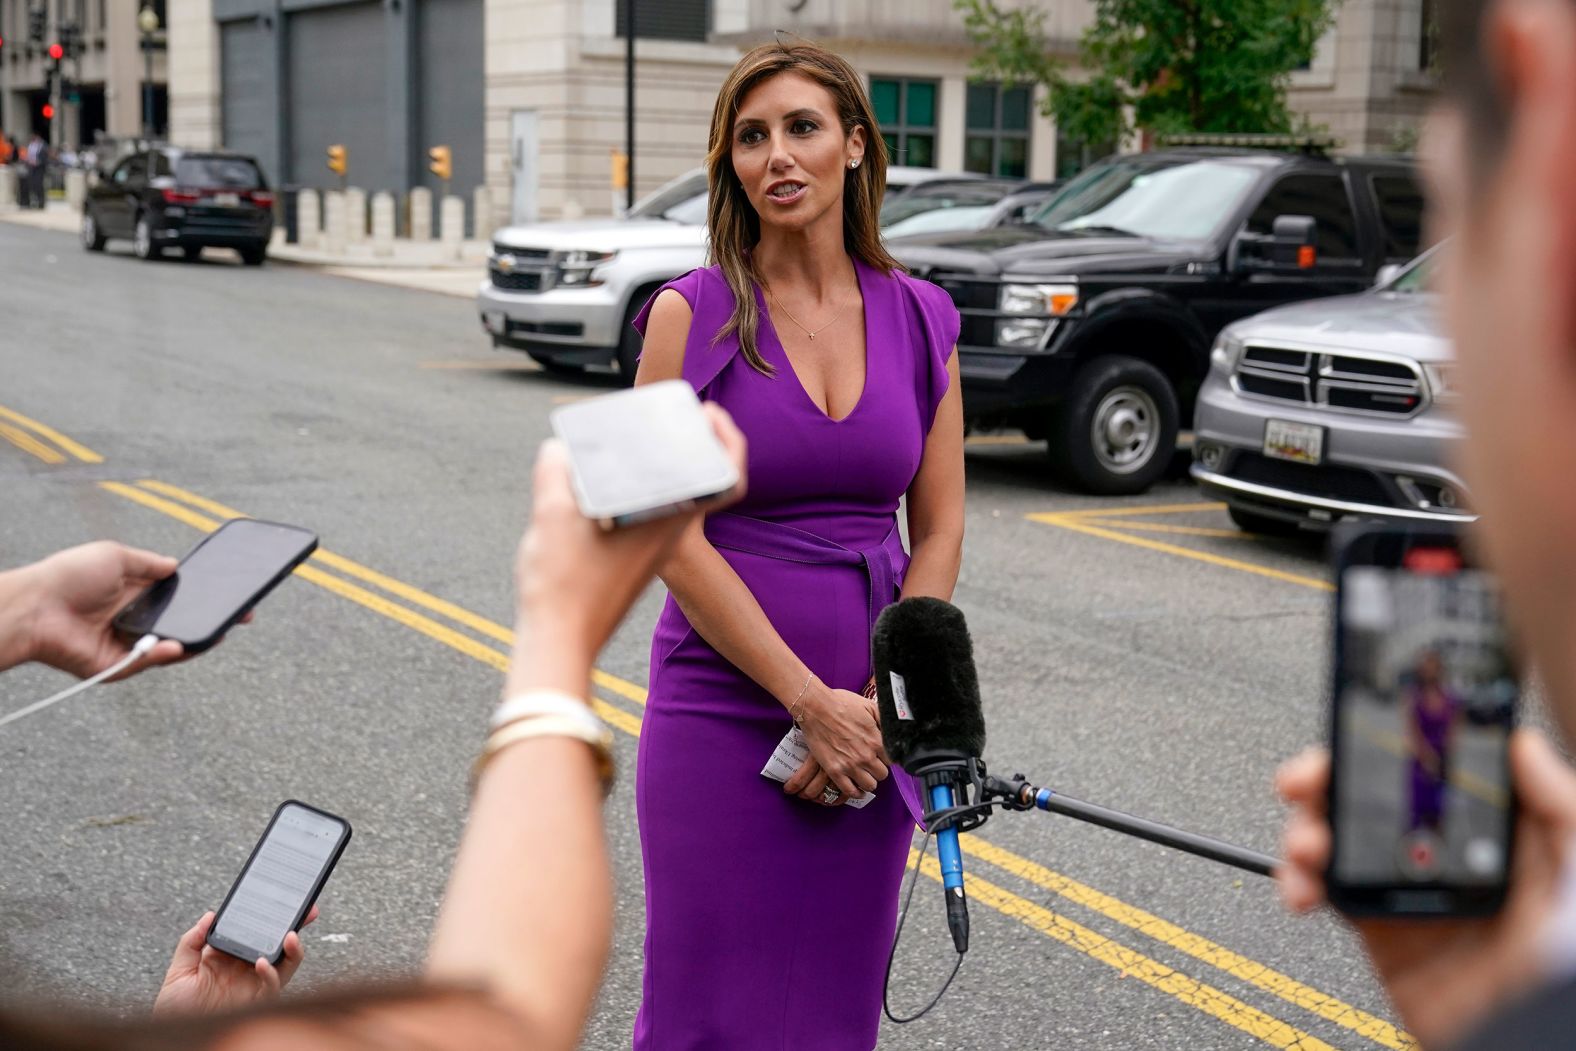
[(309, 223), (355, 215), (334, 222), (421, 214), (383, 224), (451, 225), (482, 222), (76, 188), (8, 187)]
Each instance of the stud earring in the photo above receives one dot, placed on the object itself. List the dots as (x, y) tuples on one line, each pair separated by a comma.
[(854, 163)]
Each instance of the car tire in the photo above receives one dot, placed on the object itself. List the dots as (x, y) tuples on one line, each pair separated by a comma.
[(630, 342), (142, 245), (1262, 525), (254, 256), (92, 235), (191, 253), (1116, 433)]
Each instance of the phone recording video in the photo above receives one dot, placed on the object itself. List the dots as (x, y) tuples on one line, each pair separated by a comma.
[(281, 880), (1425, 700)]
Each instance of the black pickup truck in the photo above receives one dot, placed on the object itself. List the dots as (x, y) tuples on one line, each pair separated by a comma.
[(1090, 325)]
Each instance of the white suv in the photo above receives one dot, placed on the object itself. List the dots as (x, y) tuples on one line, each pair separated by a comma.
[(566, 292)]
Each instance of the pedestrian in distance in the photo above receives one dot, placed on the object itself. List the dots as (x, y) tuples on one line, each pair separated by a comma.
[(770, 907), (523, 933), (1499, 150), (37, 162)]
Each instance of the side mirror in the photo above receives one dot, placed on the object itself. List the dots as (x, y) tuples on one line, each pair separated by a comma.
[(1292, 242), (1388, 273)]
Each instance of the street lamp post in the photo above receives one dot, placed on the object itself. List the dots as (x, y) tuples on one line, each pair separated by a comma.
[(148, 22)]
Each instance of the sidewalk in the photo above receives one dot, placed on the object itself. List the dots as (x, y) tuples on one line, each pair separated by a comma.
[(417, 265)]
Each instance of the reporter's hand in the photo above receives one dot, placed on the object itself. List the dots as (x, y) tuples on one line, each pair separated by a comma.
[(844, 735), (1447, 977), (76, 594), (203, 980), (575, 581)]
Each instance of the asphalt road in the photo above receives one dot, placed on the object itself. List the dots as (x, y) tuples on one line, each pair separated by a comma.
[(1140, 653)]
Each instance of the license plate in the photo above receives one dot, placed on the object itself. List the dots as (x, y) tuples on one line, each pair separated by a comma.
[(226, 200), (494, 322), (1297, 442)]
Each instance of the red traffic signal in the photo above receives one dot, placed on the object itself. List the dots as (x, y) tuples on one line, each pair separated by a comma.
[(49, 111), (57, 52)]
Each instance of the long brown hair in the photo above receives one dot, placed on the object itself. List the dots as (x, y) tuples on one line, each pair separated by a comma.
[(732, 222)]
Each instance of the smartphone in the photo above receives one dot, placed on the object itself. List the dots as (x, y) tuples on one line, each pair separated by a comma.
[(281, 880), (218, 581), (1425, 691), (643, 453)]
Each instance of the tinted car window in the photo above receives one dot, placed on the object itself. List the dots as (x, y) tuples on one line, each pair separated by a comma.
[(161, 165), (1400, 215), (236, 172), (1323, 197), (136, 169)]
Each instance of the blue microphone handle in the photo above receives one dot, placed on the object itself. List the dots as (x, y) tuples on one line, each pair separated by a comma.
[(951, 858)]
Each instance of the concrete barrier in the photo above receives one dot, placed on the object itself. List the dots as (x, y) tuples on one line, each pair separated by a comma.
[(9, 188), (309, 219), (483, 222), (76, 188), (335, 222), (383, 224), (451, 224), (355, 215), (421, 214)]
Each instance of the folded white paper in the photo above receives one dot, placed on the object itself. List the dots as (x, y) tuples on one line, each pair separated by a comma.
[(790, 755)]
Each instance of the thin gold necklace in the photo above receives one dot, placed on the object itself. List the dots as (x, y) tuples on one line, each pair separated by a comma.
[(796, 321)]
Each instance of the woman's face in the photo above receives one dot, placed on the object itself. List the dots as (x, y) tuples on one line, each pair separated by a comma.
[(790, 153)]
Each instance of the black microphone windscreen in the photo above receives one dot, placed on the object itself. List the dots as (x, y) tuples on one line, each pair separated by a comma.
[(934, 703)]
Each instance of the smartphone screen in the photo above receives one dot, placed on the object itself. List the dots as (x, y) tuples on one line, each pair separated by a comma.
[(217, 582), (642, 453), (1425, 700), (279, 883)]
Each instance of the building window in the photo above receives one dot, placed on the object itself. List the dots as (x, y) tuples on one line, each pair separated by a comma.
[(665, 19), (1074, 155), (1428, 37), (906, 112), (997, 136)]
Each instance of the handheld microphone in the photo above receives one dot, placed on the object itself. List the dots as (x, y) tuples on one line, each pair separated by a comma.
[(931, 722)]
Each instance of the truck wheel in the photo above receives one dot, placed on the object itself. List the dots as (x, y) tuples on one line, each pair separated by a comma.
[(550, 364), (1263, 525), (1117, 431), (630, 341)]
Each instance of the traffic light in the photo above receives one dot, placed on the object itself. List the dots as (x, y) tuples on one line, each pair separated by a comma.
[(338, 159), (56, 52), (49, 111), (441, 162), (620, 170)]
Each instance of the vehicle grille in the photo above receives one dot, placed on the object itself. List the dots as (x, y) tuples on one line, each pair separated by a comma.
[(1332, 482), (1345, 382), (518, 280), (977, 302), (521, 253)]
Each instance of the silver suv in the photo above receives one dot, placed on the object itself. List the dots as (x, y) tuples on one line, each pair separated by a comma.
[(1334, 408), (566, 292)]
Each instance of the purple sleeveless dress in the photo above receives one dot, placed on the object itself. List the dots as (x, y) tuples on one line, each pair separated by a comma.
[(769, 918)]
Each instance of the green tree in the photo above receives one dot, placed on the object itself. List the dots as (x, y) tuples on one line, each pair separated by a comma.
[(1166, 66)]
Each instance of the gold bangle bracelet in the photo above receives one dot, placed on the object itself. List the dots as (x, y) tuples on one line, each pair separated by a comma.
[(599, 741)]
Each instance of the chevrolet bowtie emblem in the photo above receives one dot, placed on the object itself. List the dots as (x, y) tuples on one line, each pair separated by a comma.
[(506, 263)]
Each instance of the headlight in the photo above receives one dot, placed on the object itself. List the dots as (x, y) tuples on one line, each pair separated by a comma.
[(575, 267), (1045, 300), (1444, 381), (1227, 350)]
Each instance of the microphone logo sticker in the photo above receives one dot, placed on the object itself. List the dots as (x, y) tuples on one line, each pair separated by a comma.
[(900, 698)]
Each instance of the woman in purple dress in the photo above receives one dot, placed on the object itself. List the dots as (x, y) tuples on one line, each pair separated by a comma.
[(770, 907), (1433, 708)]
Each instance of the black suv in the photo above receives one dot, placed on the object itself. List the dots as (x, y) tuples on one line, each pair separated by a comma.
[(1090, 325), (166, 197)]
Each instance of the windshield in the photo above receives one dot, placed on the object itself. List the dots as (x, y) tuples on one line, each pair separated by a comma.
[(1180, 201), (962, 217), (661, 203), (228, 172), (1419, 277)]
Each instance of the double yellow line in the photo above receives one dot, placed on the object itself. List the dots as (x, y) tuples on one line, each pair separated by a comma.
[(37, 439), (206, 515)]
